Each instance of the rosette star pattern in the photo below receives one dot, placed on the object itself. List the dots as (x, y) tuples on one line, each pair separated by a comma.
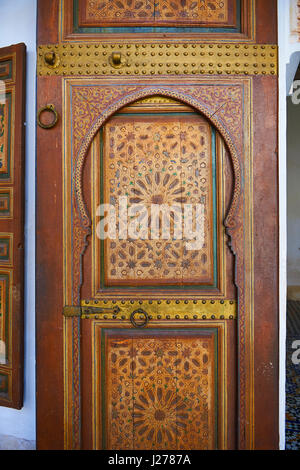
[(155, 161), (160, 392)]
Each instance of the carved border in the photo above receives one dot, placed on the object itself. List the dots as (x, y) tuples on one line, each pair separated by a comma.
[(247, 32), (238, 139)]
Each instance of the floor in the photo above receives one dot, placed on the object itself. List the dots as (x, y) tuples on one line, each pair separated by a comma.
[(293, 376)]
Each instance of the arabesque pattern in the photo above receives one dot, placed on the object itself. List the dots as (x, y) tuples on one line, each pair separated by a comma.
[(160, 392), (160, 162), (156, 11)]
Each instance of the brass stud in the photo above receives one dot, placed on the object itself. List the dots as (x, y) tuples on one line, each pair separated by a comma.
[(195, 317), (204, 317)]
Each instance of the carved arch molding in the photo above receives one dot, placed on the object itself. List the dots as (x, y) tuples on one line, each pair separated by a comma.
[(226, 104)]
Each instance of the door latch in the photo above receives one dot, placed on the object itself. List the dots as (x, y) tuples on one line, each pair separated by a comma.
[(77, 311)]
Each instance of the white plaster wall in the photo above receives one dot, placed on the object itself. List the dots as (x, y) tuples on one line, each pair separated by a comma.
[(289, 56), (293, 178), (284, 54), (18, 24)]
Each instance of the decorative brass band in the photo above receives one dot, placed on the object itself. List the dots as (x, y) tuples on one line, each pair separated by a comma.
[(82, 59), (156, 309)]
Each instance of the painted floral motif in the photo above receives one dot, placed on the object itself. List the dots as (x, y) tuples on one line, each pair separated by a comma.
[(154, 161), (2, 136), (160, 393), (157, 11)]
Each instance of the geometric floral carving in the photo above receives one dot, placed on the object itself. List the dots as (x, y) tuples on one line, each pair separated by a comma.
[(4, 135), (156, 12), (159, 160), (223, 103), (160, 391)]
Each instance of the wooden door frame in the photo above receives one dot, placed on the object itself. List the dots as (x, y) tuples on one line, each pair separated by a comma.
[(258, 332)]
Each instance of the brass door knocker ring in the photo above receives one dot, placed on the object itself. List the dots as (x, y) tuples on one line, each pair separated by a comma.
[(51, 108), (144, 321)]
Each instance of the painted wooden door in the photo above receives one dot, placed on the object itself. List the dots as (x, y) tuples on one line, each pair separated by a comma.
[(12, 165), (158, 180)]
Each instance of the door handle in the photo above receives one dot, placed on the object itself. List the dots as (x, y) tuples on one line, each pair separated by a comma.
[(117, 60)]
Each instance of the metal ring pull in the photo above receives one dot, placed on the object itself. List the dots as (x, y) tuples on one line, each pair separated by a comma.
[(143, 323), (51, 108)]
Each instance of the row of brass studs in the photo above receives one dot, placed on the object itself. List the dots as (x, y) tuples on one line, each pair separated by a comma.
[(160, 317), (163, 309), (86, 59), (150, 302)]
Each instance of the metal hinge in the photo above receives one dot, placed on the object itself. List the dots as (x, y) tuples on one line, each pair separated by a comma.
[(77, 311)]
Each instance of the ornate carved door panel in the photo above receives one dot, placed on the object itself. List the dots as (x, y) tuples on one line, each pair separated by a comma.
[(156, 341), (12, 164)]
